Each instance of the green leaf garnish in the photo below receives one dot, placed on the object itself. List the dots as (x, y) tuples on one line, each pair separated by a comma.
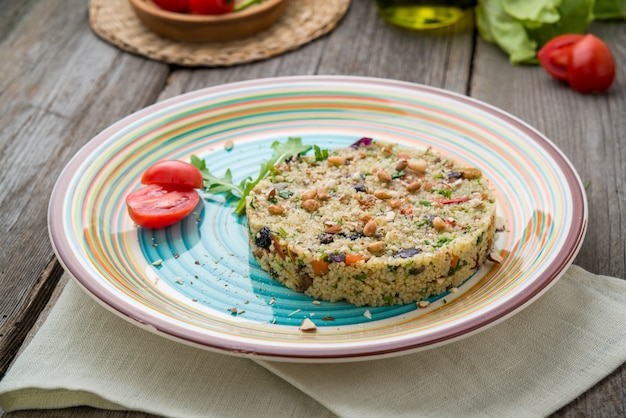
[(320, 154), (239, 192)]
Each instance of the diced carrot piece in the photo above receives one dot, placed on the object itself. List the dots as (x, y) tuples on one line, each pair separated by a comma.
[(354, 258), (319, 267), (454, 262)]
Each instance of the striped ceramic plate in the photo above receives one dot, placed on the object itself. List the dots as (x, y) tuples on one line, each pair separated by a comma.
[(196, 281)]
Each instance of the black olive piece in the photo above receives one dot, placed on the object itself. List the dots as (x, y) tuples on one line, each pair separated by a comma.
[(337, 258), (356, 236), (263, 238), (407, 252), (417, 270), (326, 238)]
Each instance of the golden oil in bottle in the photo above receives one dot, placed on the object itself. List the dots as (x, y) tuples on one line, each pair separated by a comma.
[(423, 14)]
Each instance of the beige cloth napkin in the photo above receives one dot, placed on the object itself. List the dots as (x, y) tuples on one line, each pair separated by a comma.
[(530, 365)]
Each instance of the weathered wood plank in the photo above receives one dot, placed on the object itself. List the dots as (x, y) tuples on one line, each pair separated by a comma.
[(589, 130), (11, 13), (362, 45), (60, 85)]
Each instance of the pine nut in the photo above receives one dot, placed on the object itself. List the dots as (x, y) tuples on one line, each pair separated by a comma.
[(412, 187), (332, 229), (322, 194), (309, 194), (417, 165), (376, 247), (275, 209), (382, 194), (336, 160), (370, 228), (471, 173), (439, 223), (384, 176), (310, 205), (402, 164), (394, 203)]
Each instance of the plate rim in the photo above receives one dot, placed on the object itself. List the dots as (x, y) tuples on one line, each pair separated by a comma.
[(494, 316)]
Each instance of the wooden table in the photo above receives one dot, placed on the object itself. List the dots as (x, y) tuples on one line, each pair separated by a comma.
[(60, 85)]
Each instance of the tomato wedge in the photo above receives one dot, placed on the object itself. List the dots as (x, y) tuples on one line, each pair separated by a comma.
[(591, 66), (155, 206), (173, 173), (454, 200), (555, 55), (179, 6), (583, 61), (211, 7)]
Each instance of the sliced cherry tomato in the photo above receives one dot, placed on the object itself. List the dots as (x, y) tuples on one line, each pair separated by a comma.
[(155, 206), (591, 66), (173, 173), (179, 6), (554, 56), (211, 7), (454, 200), (584, 61)]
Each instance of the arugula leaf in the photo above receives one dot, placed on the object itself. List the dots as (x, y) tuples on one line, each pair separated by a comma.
[(239, 192), (320, 154), (214, 184)]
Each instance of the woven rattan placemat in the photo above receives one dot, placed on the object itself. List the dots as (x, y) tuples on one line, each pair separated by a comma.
[(302, 22)]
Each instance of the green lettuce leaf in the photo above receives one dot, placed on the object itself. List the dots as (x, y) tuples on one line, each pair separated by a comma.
[(609, 9), (576, 15), (522, 27), (533, 13)]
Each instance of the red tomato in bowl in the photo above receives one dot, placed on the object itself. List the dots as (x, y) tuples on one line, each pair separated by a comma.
[(179, 6), (583, 61), (211, 7), (173, 173), (156, 206)]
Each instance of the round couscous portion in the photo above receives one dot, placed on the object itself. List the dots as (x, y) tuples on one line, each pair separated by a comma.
[(372, 224)]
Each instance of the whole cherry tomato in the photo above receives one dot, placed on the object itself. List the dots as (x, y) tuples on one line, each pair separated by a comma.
[(173, 173), (155, 206), (211, 7), (584, 61), (179, 6)]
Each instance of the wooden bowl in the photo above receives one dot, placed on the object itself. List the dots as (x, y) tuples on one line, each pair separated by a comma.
[(209, 28)]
